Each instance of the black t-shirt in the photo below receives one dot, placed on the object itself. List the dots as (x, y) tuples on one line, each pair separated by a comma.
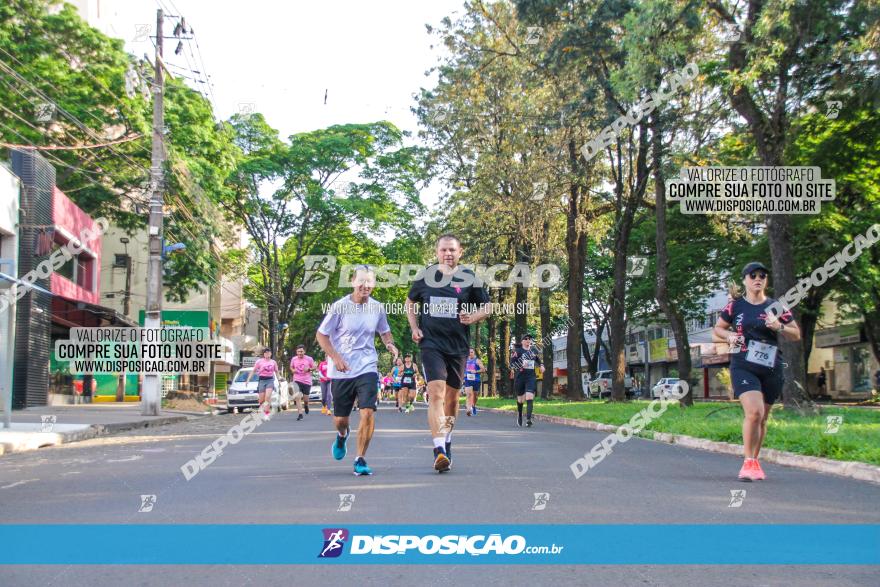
[(524, 362), (747, 320), (440, 301)]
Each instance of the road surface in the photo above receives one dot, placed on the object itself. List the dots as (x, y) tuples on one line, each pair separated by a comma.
[(282, 473)]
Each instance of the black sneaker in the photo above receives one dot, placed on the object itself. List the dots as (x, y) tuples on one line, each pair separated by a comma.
[(529, 423), (306, 408), (300, 417)]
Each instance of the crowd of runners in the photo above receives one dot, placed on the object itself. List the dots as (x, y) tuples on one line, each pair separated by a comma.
[(350, 379)]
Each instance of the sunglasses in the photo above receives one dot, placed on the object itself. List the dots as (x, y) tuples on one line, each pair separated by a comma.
[(756, 274)]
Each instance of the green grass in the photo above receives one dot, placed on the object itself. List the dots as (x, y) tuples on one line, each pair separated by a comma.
[(858, 438)]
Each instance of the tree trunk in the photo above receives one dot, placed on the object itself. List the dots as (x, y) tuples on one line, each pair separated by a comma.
[(662, 292), (872, 330), (577, 252), (505, 388), (546, 342), (491, 349), (768, 130), (810, 309), (627, 203), (523, 255)]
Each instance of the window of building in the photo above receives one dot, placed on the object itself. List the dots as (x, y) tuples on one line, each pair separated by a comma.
[(78, 268), (120, 261)]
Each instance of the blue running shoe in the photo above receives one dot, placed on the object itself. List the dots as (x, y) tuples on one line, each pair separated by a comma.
[(475, 410), (338, 449), (449, 451), (361, 468), (441, 461)]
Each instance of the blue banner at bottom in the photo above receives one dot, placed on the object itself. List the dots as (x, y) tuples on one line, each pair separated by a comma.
[(620, 544)]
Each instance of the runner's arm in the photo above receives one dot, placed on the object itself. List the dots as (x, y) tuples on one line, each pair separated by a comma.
[(388, 339), (721, 332), (787, 330), (475, 317), (327, 347), (411, 317)]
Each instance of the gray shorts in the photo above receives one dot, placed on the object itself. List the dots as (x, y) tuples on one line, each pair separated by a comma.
[(265, 384)]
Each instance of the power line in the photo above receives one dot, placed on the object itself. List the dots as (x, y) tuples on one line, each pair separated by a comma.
[(74, 147), (181, 206), (79, 170), (76, 121)]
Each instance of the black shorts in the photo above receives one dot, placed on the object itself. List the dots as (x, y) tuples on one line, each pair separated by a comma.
[(344, 391), (440, 366), (304, 388), (767, 381), (523, 385)]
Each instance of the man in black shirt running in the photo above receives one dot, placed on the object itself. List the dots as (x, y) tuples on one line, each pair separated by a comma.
[(440, 308), (524, 362)]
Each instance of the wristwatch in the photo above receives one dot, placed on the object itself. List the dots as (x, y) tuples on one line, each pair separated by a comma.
[(781, 327)]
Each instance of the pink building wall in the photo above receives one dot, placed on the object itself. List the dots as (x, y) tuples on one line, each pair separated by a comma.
[(69, 219)]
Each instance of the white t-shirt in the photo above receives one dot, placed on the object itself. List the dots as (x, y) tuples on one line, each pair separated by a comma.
[(352, 329)]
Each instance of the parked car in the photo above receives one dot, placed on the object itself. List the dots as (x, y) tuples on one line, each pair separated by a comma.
[(244, 395), (664, 387), (315, 392), (600, 385)]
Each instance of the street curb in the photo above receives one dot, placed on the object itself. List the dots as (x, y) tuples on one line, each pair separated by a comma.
[(852, 469), (93, 431)]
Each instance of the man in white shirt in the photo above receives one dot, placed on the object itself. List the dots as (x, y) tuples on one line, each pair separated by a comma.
[(347, 336)]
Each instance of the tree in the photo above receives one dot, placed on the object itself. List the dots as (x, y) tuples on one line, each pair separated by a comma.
[(304, 205), (65, 84), (787, 57)]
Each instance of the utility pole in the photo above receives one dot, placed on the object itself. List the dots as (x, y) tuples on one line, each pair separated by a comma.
[(153, 314), (126, 301)]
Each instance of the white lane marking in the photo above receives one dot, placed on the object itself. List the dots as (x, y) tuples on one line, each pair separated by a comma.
[(126, 459), (11, 485)]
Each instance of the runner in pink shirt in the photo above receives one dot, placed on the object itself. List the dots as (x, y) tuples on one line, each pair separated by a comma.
[(265, 369), (302, 366)]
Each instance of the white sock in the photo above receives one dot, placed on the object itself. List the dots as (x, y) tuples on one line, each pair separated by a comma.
[(439, 442)]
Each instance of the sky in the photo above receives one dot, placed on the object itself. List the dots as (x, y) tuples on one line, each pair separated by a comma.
[(280, 57)]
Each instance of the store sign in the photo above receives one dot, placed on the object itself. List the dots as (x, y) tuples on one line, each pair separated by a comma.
[(658, 348), (839, 335), (714, 359)]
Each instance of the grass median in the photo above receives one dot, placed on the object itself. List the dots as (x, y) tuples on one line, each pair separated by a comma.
[(857, 439)]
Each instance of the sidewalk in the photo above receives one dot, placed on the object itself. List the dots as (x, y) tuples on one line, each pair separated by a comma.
[(35, 428)]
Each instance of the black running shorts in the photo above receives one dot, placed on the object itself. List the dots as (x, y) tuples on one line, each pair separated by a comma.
[(440, 366), (364, 387), (767, 381), (523, 385)]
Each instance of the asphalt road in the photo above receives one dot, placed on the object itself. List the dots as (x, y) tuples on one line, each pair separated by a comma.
[(282, 473)]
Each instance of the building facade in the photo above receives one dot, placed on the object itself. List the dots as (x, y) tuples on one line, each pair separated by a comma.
[(10, 189)]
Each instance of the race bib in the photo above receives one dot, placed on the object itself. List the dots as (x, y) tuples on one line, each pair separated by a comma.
[(761, 353), (470, 376), (443, 307), (528, 364), (407, 381)]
